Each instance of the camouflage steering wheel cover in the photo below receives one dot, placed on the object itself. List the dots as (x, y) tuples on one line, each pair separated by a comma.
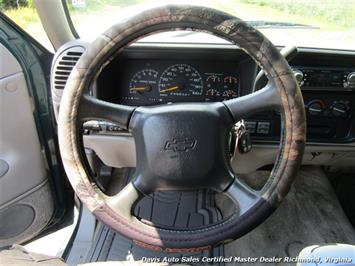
[(171, 17)]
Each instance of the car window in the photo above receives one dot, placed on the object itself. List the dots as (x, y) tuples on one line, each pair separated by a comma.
[(24, 14), (305, 23)]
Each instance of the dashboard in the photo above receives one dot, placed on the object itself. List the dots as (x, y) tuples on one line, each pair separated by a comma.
[(149, 76)]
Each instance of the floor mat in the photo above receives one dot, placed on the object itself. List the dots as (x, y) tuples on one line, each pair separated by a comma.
[(178, 209), (310, 214)]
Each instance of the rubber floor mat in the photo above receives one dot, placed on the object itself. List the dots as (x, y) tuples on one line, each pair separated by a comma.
[(170, 209)]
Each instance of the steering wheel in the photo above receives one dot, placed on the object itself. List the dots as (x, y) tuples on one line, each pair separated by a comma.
[(182, 146)]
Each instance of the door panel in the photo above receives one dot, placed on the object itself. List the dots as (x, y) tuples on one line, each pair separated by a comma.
[(26, 202)]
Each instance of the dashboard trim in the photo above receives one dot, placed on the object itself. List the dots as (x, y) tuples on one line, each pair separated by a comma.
[(234, 46), (119, 151)]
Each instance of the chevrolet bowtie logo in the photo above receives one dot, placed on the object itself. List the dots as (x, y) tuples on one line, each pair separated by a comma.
[(176, 145)]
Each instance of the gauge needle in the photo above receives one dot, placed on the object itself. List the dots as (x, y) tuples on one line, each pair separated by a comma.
[(170, 89), (138, 89)]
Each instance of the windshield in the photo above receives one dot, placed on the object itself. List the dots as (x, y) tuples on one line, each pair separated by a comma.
[(304, 23)]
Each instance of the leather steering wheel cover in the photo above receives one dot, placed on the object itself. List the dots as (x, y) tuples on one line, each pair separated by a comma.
[(180, 18)]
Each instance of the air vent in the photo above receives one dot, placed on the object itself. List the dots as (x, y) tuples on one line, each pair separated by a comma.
[(63, 65), (64, 61)]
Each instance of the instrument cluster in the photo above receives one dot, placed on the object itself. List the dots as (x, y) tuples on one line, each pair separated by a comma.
[(157, 81)]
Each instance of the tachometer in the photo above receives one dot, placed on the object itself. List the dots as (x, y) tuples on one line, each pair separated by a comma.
[(180, 80), (143, 81)]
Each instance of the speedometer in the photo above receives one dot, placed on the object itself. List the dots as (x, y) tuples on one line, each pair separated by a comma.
[(180, 80)]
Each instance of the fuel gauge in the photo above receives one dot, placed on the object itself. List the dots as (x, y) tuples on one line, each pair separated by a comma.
[(214, 78)]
